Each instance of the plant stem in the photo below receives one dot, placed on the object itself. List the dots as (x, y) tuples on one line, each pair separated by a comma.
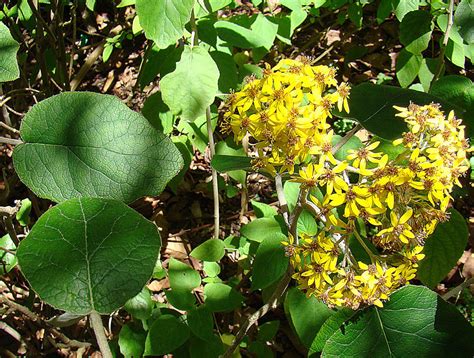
[(442, 52), (456, 290), (366, 248), (10, 141), (282, 199), (215, 183), (346, 138), (99, 330)]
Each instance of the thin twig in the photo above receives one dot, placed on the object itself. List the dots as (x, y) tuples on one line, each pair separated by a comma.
[(34, 317), (442, 52), (215, 183), (8, 128), (456, 290), (99, 330), (11, 141), (346, 138), (5, 114)]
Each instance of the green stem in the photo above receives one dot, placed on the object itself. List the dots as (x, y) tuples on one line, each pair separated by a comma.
[(215, 183), (99, 330), (366, 248), (442, 52)]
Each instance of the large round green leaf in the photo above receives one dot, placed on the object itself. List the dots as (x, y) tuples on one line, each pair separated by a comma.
[(90, 144), (416, 322), (372, 106), (89, 254), (163, 20), (192, 86), (9, 70), (443, 249)]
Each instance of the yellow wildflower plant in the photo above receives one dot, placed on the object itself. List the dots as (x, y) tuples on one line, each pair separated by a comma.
[(388, 206)]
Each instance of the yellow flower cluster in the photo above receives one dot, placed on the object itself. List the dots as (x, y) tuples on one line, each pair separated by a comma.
[(384, 206), (284, 113), (396, 203)]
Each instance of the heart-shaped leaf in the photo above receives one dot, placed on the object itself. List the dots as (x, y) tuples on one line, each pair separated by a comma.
[(90, 144), (192, 86), (89, 254), (416, 322), (9, 70), (163, 21)]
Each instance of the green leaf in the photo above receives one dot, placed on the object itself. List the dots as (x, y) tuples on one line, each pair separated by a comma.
[(455, 53), (230, 148), (415, 31), (209, 250), (306, 315), (227, 70), (7, 259), (132, 340), (307, 223), (269, 251), (355, 14), (212, 269), (458, 90), (428, 68), (259, 229), (408, 66), (226, 163), (268, 330), (9, 70), (443, 249), (23, 214), (372, 106), (266, 29), (182, 300), (210, 348), (383, 11), (90, 144), (199, 72), (163, 21), (352, 144), (220, 297), (387, 147), (201, 323), (140, 306), (239, 36), (403, 7), (95, 253), (416, 322), (263, 210), (329, 327), (158, 62), (165, 335), (291, 191), (464, 20), (197, 131), (182, 277), (158, 113)]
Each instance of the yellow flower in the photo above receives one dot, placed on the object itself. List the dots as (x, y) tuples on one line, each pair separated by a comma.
[(400, 230)]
